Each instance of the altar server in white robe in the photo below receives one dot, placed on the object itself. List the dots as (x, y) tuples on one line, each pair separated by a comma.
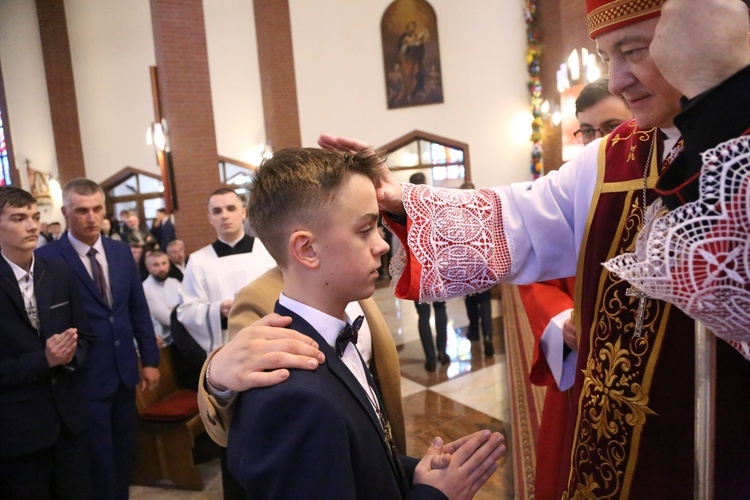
[(216, 272)]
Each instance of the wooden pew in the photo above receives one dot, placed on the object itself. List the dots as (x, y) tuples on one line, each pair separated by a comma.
[(168, 423)]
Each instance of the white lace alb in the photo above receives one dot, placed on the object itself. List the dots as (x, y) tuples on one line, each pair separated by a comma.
[(464, 250), (697, 256)]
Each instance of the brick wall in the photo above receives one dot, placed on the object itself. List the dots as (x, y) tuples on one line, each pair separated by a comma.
[(185, 94), (277, 79), (58, 67), (562, 27)]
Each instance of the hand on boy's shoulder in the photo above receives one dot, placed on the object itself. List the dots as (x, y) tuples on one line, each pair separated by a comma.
[(264, 345), (460, 468)]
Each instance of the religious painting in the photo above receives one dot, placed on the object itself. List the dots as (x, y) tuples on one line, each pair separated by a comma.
[(570, 145), (39, 186), (411, 54)]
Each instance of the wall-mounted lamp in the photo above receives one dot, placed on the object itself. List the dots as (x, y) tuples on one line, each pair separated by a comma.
[(261, 152), (572, 71), (157, 135), (55, 191), (555, 116)]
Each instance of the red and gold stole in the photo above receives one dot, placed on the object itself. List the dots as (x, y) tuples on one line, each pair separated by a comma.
[(616, 367)]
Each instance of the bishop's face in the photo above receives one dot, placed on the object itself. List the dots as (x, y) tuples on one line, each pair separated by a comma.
[(634, 76)]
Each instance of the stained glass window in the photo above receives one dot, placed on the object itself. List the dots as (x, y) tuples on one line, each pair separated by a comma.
[(442, 164), (4, 161)]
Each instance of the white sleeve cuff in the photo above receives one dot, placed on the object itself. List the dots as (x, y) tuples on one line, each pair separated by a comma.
[(222, 397), (563, 369)]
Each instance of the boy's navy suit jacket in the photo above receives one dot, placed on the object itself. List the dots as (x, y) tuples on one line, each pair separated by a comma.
[(315, 435), (36, 400)]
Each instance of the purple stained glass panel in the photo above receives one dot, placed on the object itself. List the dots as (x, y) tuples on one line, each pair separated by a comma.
[(4, 162)]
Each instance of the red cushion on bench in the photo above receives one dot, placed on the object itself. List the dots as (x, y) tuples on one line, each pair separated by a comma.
[(178, 406)]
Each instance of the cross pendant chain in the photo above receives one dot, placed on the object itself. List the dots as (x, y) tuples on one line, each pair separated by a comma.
[(386, 427), (641, 312), (632, 292)]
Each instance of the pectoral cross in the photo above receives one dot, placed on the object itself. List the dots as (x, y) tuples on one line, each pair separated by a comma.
[(387, 432), (641, 312)]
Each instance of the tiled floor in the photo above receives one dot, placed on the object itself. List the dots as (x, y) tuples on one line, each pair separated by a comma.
[(469, 394)]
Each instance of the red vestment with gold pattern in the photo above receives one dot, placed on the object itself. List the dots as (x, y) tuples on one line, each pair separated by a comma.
[(631, 432)]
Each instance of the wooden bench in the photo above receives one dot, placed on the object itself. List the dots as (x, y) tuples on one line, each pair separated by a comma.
[(168, 423)]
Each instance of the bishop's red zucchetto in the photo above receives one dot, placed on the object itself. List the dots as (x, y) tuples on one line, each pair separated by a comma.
[(607, 15)]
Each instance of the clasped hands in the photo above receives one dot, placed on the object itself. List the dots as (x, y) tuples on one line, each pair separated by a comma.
[(61, 347), (460, 468)]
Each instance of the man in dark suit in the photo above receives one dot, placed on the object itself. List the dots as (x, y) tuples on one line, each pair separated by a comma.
[(45, 341), (163, 229), (116, 307), (177, 261)]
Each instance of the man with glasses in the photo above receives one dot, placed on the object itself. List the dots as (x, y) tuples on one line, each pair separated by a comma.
[(599, 112)]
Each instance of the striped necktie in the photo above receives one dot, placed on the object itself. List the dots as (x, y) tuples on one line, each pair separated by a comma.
[(97, 274)]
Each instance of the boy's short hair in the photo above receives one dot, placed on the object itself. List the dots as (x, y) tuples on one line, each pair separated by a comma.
[(15, 197), (298, 185)]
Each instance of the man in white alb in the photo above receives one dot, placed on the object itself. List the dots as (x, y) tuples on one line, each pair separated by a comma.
[(216, 272), (162, 295)]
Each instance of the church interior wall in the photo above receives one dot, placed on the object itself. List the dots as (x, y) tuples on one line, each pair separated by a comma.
[(26, 88), (561, 29), (341, 86), (235, 80), (112, 48), (339, 70)]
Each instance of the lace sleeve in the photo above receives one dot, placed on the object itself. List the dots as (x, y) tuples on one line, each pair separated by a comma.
[(697, 256), (454, 243)]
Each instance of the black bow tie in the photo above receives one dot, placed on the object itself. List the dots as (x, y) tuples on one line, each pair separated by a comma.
[(348, 334)]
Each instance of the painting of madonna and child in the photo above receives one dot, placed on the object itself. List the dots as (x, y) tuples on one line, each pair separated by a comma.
[(411, 54)]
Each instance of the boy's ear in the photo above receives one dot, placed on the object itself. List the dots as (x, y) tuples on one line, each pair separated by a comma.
[(302, 250)]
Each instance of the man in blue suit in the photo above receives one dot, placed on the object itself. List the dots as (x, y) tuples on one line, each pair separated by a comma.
[(45, 340), (117, 311)]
